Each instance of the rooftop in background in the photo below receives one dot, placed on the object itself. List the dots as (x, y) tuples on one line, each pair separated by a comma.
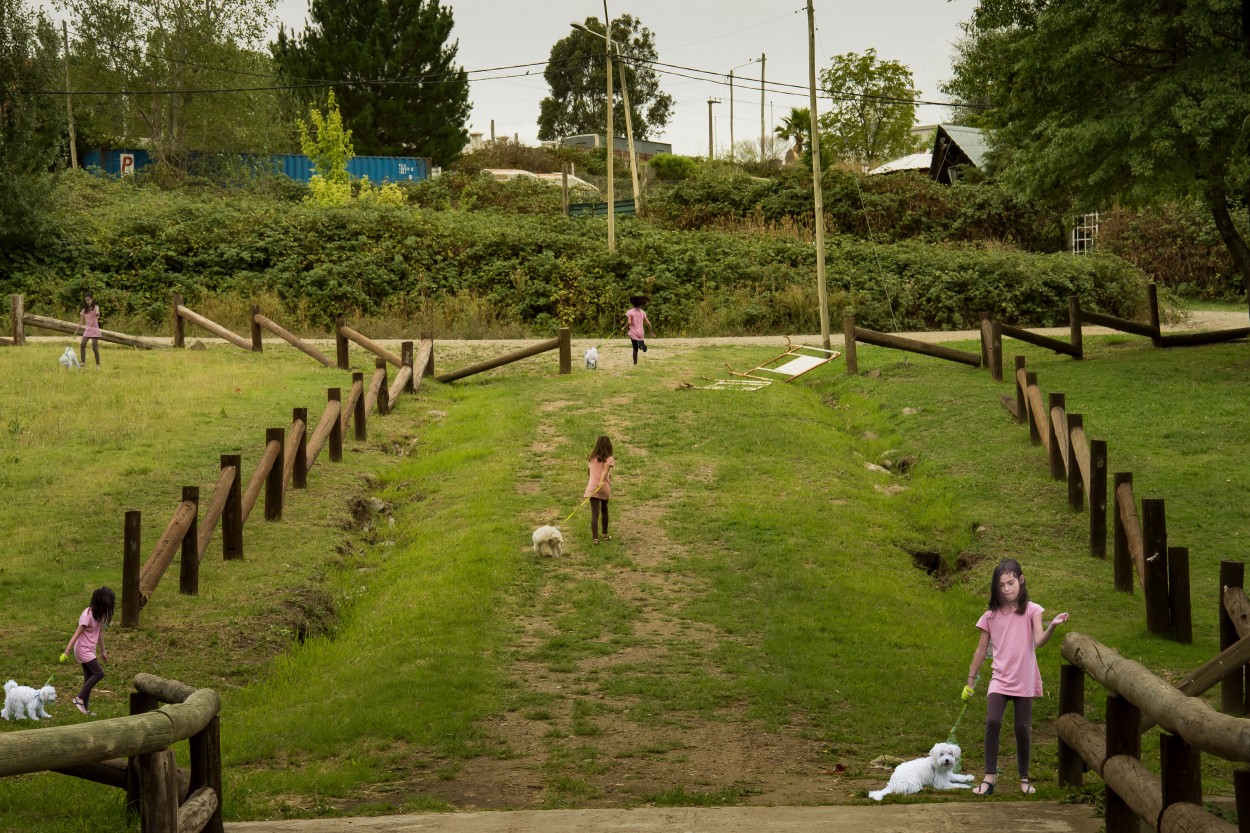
[(953, 146), (915, 162), (620, 145)]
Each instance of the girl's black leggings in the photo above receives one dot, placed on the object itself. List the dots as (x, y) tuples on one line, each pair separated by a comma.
[(95, 349), (597, 505), (996, 706), (639, 344), (92, 673)]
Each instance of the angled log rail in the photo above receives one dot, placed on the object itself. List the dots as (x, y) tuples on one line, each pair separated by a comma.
[(1139, 541), (562, 343), (21, 319), (133, 754), (182, 315), (1136, 698), (851, 334)]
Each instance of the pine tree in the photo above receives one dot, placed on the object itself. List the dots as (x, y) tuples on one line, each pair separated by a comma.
[(407, 97)]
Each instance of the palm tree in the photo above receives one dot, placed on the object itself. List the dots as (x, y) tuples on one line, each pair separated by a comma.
[(796, 127)]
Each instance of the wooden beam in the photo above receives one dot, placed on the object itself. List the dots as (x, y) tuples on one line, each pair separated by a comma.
[(214, 328), (53, 324), (294, 341)]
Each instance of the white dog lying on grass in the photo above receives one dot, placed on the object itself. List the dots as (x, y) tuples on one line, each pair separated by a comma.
[(937, 771), (23, 698)]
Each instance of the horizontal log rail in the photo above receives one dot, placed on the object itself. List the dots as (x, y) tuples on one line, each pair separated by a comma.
[(213, 327), (370, 345), (163, 553), (1080, 450), (37, 750), (499, 361), (1059, 421), (294, 440), (56, 325), (1189, 717), (1122, 324), (1033, 394), (1232, 660), (293, 340), (208, 524), (349, 407), (377, 385), (1209, 337), (912, 346), (1126, 506), (1054, 344), (423, 364), (402, 380), (252, 493), (329, 417)]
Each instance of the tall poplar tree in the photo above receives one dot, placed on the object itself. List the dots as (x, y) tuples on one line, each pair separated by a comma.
[(397, 83)]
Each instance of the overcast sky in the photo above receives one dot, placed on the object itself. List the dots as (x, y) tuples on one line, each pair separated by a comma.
[(713, 35)]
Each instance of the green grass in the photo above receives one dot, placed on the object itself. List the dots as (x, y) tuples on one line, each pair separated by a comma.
[(757, 577)]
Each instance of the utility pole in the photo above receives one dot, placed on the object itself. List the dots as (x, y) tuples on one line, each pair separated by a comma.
[(69, 104), (822, 296), (711, 152), (607, 34), (731, 115), (763, 64), (629, 134)]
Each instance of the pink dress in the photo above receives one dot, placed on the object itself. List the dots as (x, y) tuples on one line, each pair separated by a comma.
[(635, 316), (92, 319), (599, 484), (84, 648), (1015, 671)]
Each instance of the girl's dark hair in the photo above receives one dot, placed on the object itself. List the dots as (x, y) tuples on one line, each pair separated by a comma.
[(102, 602), (638, 300), (602, 450), (89, 306), (1008, 565)]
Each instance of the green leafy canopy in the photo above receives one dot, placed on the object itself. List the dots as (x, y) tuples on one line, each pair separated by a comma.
[(873, 109)]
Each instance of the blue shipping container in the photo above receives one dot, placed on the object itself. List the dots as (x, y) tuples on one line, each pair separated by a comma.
[(296, 166)]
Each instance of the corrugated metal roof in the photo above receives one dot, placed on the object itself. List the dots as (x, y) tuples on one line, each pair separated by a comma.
[(970, 140), (915, 162)]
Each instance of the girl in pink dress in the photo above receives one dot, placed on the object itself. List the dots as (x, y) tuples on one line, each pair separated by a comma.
[(87, 643), (637, 323), (1012, 626), (90, 316), (599, 485)]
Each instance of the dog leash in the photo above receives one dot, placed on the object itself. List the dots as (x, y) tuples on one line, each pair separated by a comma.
[(951, 737), (602, 480)]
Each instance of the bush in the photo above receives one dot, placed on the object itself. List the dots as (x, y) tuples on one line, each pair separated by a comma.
[(672, 168), (133, 246)]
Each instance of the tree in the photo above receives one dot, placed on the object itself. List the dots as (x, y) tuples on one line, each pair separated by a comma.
[(159, 58), (1120, 102), (575, 73), (797, 128), (873, 108), (31, 142), (405, 94), (329, 147)]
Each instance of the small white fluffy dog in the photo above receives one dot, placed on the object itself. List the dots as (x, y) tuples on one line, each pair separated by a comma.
[(69, 359), (592, 358), (23, 698), (548, 541), (937, 771)]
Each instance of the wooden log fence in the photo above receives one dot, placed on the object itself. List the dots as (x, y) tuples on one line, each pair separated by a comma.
[(1139, 541), (852, 334), (1171, 802), (378, 394), (20, 320), (562, 343), (294, 341), (344, 333), (182, 314), (136, 750)]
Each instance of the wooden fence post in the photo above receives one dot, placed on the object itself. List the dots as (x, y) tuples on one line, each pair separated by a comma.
[(848, 346), (384, 392), (985, 339), (17, 308), (1035, 436), (1123, 738), (158, 791), (1241, 789), (1071, 701), (996, 351), (1054, 452), (1180, 770), (1154, 533), (180, 327), (273, 483), (189, 564), (132, 603), (406, 358), (566, 351), (1152, 298), (206, 768), (336, 430), (1076, 483), (1179, 600), (1098, 498), (1074, 326), (1122, 562), (140, 703), (299, 473), (258, 341), (1022, 399), (232, 514), (428, 370), (1233, 686), (340, 343), (358, 414)]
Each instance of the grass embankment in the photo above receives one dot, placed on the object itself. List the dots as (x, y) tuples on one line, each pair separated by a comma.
[(758, 595)]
